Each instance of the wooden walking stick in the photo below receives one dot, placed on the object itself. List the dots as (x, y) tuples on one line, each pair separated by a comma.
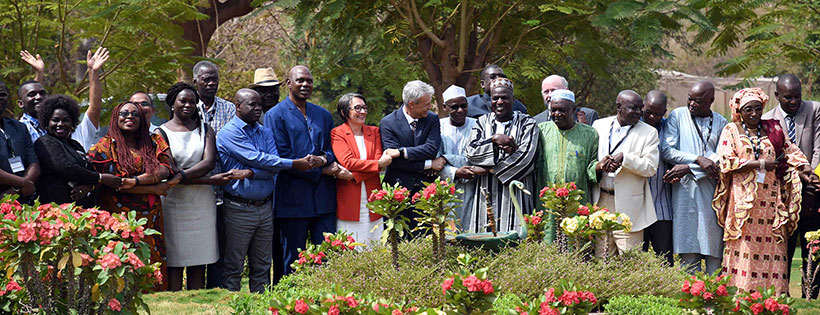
[(490, 214)]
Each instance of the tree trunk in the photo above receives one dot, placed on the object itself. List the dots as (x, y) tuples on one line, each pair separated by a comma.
[(394, 247), (434, 242), (441, 242)]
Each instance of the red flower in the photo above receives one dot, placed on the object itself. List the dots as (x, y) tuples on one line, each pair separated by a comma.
[(133, 260), (333, 310), (300, 307), (396, 312), (572, 186), (561, 192), (336, 243), (327, 238), (543, 191), (771, 304), (13, 286), (429, 191), (536, 220), (757, 308), (550, 295), (398, 195), (685, 287), (114, 305), (472, 283), (452, 190), (273, 311), (785, 308), (721, 291), (527, 219), (737, 306), (448, 283), (756, 296), (415, 198), (697, 288), (351, 239), (547, 310), (591, 297), (569, 298), (26, 233), (487, 287), (110, 261), (351, 301), (707, 296), (583, 210)]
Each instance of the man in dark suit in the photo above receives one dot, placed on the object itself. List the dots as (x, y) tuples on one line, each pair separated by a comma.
[(415, 132), (554, 82), (479, 104), (800, 121)]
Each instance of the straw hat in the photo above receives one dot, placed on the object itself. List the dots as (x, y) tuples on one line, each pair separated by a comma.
[(264, 77)]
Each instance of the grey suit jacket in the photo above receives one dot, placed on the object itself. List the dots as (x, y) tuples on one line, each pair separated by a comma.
[(591, 114), (807, 129)]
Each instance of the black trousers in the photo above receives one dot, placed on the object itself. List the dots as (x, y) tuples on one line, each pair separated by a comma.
[(214, 271), (809, 221), (659, 235)]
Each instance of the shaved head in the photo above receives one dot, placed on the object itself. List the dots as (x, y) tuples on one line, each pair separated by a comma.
[(787, 81), (629, 106), (654, 107), (789, 93), (244, 94), (300, 84), (703, 87), (701, 97)]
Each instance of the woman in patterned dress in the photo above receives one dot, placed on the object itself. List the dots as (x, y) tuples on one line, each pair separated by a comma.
[(129, 151), (758, 195)]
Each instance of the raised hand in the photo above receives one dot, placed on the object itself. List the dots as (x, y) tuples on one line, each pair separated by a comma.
[(97, 59), (35, 61)]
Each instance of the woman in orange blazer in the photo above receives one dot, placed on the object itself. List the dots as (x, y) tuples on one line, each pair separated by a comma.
[(358, 148)]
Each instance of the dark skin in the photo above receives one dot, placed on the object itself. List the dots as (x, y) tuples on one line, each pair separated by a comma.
[(300, 86), (249, 109), (457, 108), (789, 93), (149, 183), (184, 109), (629, 108), (701, 97), (24, 183), (561, 111), (489, 75), (502, 99), (207, 83), (269, 95), (30, 96)]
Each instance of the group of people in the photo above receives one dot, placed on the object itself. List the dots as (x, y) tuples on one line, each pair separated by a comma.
[(259, 178)]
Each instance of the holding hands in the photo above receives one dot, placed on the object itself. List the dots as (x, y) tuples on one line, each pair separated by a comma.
[(505, 142)]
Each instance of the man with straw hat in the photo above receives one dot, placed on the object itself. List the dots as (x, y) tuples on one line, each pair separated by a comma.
[(267, 85)]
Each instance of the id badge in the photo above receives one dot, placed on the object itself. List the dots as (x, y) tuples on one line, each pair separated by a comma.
[(16, 163), (761, 176)]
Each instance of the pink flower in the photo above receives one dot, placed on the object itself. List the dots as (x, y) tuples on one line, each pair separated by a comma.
[(550, 295), (415, 198), (301, 307), (757, 308), (547, 310), (536, 220), (452, 190), (697, 288), (157, 275), (26, 233), (114, 305), (396, 312), (448, 283), (273, 311), (785, 308), (572, 186), (771, 304), (336, 243), (351, 239), (472, 283), (487, 287), (561, 192), (590, 297), (707, 296), (543, 191), (721, 291), (756, 296), (86, 259), (583, 210), (135, 261), (569, 298), (398, 196), (13, 286), (109, 261), (10, 216), (351, 301), (333, 310), (429, 191)]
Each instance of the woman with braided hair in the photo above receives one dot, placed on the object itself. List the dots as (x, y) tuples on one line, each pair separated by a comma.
[(129, 151)]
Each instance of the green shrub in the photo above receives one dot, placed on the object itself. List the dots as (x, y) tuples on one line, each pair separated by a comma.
[(524, 271), (642, 305)]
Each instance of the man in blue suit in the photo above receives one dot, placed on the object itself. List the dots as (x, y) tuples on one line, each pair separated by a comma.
[(416, 133), (304, 200)]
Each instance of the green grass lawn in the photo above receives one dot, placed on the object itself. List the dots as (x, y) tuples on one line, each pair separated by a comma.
[(207, 302)]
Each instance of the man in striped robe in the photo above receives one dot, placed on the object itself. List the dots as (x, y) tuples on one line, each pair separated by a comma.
[(504, 142)]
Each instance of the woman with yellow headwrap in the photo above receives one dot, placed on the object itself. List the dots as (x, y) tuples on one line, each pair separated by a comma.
[(757, 199)]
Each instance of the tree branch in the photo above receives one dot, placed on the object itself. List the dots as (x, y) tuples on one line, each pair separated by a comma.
[(462, 37), (415, 12), (492, 28)]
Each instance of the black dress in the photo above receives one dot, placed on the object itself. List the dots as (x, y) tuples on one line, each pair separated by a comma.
[(63, 165)]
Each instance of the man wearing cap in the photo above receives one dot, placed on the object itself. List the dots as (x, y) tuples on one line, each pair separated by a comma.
[(480, 103), (504, 142), (455, 134), (568, 150), (267, 85), (556, 82)]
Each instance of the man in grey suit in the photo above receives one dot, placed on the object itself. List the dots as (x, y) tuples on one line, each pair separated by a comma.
[(556, 82), (800, 121)]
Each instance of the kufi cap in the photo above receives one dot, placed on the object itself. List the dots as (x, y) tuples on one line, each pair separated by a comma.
[(501, 82), (563, 95), (454, 91)]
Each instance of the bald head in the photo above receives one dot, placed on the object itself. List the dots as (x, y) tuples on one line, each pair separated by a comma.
[(552, 83), (628, 106), (244, 94), (654, 107), (789, 93), (300, 84), (701, 97), (248, 105)]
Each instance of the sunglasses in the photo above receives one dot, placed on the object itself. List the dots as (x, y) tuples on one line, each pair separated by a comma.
[(455, 107), (129, 114)]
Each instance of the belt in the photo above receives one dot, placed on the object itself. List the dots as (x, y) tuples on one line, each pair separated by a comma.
[(611, 192), (255, 203)]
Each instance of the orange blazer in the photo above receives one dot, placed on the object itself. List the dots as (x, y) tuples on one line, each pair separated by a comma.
[(349, 193)]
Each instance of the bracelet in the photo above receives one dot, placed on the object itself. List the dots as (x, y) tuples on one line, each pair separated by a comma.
[(184, 176), (99, 180), (762, 165), (137, 179)]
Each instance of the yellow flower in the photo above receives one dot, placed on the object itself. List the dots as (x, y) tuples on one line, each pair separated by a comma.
[(626, 222), (811, 236), (596, 219), (569, 225)]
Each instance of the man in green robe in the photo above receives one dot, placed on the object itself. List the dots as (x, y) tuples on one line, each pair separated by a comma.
[(568, 152)]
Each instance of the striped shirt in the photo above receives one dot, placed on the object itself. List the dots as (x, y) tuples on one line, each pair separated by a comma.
[(661, 191)]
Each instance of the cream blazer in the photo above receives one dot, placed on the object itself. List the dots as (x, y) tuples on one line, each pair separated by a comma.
[(632, 194)]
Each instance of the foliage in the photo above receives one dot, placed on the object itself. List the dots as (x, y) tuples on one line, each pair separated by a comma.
[(812, 269), (642, 305), (468, 291), (316, 254), (562, 200), (60, 259), (536, 223), (707, 293), (390, 202), (763, 302), (436, 204), (142, 36), (567, 299), (584, 226)]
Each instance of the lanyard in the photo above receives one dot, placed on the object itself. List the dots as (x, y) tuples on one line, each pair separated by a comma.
[(700, 134), (755, 144), (8, 143), (611, 149)]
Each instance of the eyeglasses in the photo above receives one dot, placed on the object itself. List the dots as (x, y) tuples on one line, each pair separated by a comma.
[(144, 104), (129, 114), (455, 107), (360, 108)]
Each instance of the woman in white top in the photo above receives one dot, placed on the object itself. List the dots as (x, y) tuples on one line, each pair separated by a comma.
[(190, 208), (358, 148)]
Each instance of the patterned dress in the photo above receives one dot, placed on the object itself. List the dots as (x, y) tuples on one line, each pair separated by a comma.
[(104, 159), (757, 217)]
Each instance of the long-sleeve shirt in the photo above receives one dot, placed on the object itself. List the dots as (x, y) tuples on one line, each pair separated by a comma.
[(661, 191), (454, 141), (243, 146)]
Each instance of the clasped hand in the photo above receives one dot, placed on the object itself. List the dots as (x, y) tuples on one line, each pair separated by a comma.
[(505, 142), (610, 163)]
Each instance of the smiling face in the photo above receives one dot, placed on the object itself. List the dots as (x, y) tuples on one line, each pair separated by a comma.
[(185, 104), (751, 112), (357, 113), (420, 107), (502, 99), (300, 83), (457, 108), (129, 118), (629, 108), (30, 96), (60, 125)]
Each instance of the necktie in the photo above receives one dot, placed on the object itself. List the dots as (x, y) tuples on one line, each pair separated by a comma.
[(413, 125), (790, 126)]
